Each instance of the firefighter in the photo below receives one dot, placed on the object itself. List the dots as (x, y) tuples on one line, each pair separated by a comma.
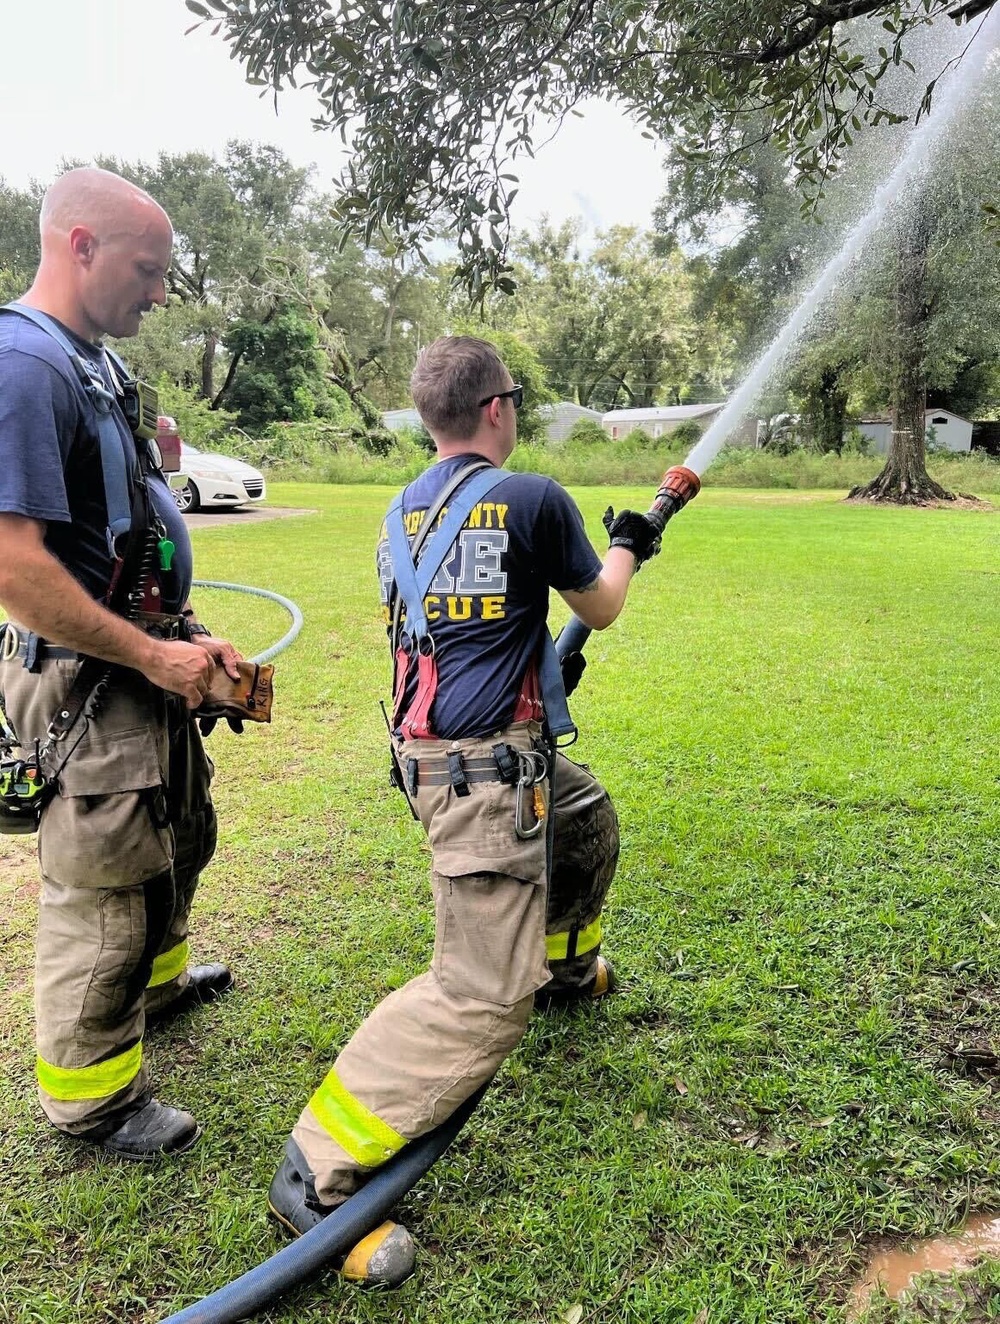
[(89, 535), (524, 842)]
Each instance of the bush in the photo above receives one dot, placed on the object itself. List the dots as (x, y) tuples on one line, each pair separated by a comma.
[(198, 423), (686, 434), (585, 432), (636, 440), (856, 442)]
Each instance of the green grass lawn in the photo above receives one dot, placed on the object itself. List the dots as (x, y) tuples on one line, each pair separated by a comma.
[(797, 718)]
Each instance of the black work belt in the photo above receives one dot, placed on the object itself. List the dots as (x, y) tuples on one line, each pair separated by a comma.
[(459, 772), (438, 772)]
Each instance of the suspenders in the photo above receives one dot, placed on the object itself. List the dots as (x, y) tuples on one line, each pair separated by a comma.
[(412, 581), (114, 464)]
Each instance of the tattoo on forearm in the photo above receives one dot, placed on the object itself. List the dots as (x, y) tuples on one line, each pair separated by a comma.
[(591, 588)]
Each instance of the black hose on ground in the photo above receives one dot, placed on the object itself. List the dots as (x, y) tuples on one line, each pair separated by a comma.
[(337, 1233)]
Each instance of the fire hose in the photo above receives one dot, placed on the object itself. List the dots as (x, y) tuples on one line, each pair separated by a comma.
[(287, 638), (369, 1206)]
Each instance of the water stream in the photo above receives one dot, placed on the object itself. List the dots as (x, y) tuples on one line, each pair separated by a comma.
[(961, 82)]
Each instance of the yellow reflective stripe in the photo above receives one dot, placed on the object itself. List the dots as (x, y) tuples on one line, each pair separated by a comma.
[(169, 965), (367, 1139), (96, 1082), (557, 944)]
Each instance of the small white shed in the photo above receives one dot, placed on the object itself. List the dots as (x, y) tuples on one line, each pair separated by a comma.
[(399, 420), (561, 417), (946, 430), (658, 420)]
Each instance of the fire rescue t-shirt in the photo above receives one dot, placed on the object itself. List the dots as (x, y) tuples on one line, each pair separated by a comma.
[(488, 604), (50, 461)]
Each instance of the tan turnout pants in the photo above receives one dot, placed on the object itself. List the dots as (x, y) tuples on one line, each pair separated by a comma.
[(503, 930), (120, 848)]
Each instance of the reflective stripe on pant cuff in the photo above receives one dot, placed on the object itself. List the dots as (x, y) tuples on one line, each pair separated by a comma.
[(356, 1129), (557, 944), (170, 965), (74, 1084)]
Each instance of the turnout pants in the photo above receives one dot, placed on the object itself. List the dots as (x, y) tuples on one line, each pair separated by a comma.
[(504, 929), (120, 848)]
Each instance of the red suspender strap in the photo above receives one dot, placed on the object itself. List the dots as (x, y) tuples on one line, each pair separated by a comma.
[(416, 725), (529, 700)]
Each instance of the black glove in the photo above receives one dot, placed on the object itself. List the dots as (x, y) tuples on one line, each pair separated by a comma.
[(207, 725), (637, 533)]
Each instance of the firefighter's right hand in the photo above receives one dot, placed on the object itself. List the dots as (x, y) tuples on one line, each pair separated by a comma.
[(183, 669)]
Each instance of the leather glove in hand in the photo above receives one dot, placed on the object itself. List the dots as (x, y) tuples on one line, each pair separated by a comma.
[(633, 531), (246, 699)]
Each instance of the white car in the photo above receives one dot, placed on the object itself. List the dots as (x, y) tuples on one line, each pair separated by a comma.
[(216, 480)]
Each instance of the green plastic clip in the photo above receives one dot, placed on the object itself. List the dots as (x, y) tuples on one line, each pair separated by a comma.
[(166, 550)]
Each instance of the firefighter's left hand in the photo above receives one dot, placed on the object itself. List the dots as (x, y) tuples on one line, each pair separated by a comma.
[(223, 653)]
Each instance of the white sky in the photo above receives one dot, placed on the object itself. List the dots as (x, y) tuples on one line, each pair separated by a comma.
[(85, 77)]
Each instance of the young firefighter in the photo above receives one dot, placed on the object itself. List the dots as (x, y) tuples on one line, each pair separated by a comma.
[(474, 707)]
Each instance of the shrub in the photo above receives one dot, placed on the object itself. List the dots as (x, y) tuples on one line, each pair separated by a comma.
[(636, 440), (585, 432), (686, 434), (198, 423)]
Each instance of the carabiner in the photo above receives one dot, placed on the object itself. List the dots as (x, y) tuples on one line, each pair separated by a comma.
[(534, 768)]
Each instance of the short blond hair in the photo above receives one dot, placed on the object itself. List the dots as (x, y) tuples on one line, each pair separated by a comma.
[(450, 378)]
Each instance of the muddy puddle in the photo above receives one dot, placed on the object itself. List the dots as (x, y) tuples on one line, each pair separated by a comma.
[(893, 1271)]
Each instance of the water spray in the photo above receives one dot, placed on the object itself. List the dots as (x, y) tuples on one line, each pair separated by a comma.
[(676, 489), (961, 83)]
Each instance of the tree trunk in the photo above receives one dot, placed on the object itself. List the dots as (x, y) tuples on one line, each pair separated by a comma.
[(905, 480), (234, 363), (208, 365), (826, 409)]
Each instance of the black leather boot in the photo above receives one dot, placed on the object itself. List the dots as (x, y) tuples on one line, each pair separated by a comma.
[(150, 1132), (205, 983)]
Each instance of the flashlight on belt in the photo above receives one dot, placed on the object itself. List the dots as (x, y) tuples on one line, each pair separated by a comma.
[(676, 489)]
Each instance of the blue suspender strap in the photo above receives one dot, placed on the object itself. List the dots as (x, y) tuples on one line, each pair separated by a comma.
[(114, 465), (404, 572), (414, 582)]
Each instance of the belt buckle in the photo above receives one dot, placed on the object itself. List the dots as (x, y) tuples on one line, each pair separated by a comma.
[(10, 642)]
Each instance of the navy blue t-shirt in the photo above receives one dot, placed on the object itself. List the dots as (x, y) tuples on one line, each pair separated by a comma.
[(488, 605), (50, 460)]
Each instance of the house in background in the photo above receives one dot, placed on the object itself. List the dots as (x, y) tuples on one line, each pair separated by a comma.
[(561, 417), (398, 420), (949, 431), (658, 420)]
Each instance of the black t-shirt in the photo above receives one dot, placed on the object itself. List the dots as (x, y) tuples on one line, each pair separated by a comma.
[(488, 605), (50, 460)]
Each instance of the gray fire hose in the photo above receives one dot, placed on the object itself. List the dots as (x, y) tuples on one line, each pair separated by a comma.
[(291, 634)]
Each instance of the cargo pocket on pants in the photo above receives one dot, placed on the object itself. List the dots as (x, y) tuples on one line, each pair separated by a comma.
[(107, 826), (490, 938)]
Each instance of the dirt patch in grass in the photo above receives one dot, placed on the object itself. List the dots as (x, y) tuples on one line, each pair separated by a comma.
[(961, 501)]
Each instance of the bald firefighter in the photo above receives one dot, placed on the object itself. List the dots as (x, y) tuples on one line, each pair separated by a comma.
[(101, 665), (524, 842)]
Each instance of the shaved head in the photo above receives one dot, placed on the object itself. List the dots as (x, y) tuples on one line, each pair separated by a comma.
[(105, 253), (103, 202)]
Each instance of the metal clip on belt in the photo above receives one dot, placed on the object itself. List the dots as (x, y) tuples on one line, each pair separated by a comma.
[(534, 768)]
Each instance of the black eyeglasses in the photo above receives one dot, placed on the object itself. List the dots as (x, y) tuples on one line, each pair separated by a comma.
[(516, 394)]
